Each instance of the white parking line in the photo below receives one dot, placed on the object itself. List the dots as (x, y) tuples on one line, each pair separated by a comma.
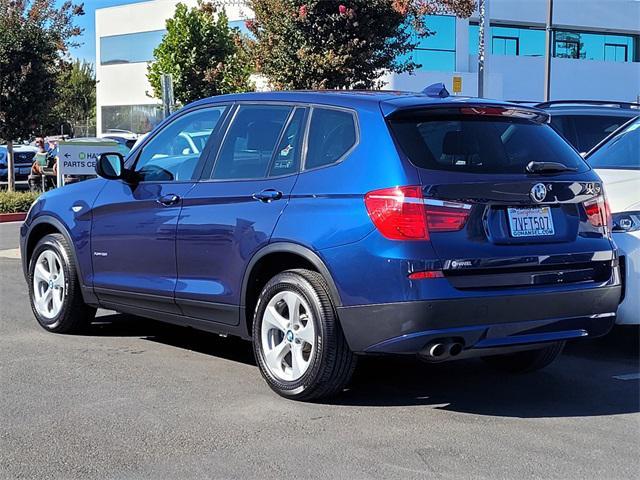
[(628, 376), (13, 253)]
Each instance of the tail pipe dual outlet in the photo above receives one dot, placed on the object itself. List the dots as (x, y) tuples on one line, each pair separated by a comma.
[(439, 351)]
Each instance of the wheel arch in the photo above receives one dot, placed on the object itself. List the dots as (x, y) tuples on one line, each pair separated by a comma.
[(39, 228), (277, 257)]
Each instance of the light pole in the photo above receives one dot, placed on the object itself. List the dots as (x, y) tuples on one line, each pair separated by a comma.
[(484, 27), (547, 53)]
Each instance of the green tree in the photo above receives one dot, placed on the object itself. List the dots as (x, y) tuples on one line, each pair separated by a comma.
[(76, 95), (311, 44), (34, 38), (204, 56)]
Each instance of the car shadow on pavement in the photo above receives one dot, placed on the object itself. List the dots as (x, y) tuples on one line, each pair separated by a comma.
[(122, 325), (580, 383)]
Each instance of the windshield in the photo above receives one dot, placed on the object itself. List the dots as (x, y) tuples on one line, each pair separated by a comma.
[(478, 144), (620, 151)]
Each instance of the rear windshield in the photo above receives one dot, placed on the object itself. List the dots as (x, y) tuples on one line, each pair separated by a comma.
[(468, 143)]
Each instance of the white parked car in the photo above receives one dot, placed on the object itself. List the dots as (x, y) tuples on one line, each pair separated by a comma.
[(617, 160)]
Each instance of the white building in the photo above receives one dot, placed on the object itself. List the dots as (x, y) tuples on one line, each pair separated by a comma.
[(595, 44)]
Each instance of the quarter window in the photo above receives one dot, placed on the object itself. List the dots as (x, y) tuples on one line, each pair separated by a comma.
[(250, 142), (175, 152), (332, 134)]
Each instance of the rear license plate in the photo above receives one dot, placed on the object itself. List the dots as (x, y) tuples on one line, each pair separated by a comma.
[(531, 222), (25, 171)]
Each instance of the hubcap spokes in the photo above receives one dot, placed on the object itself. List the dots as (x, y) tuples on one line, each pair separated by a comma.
[(48, 284), (288, 336)]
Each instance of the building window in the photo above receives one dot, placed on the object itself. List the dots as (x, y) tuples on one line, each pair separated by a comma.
[(129, 48), (131, 118), (436, 52), (505, 45), (594, 46), (567, 45), (517, 41), (616, 53)]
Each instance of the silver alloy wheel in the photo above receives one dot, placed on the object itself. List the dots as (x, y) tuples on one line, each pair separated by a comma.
[(48, 284), (288, 336)]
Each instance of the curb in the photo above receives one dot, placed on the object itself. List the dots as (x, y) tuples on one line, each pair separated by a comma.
[(12, 217)]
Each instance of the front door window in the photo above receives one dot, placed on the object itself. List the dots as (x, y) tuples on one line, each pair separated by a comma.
[(176, 153)]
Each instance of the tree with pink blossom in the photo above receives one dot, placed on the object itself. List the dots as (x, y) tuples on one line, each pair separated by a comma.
[(304, 44)]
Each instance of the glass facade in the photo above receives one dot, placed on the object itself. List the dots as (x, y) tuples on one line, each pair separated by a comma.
[(129, 48), (510, 41), (594, 46), (436, 52), (506, 40), (133, 118)]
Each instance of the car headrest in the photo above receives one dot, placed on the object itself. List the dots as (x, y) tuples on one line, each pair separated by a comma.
[(262, 135), (456, 143)]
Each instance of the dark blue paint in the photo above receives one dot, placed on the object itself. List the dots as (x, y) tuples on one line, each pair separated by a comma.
[(199, 249)]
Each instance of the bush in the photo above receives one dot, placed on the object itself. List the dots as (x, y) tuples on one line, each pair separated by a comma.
[(15, 202)]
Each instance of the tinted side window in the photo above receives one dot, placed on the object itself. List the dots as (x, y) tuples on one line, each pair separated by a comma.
[(174, 153), (332, 133), (250, 141), (592, 129), (287, 156)]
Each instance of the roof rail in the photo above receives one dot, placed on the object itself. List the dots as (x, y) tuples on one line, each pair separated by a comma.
[(607, 103), (437, 90)]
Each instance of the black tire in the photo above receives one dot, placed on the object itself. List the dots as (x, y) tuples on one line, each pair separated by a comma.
[(75, 315), (332, 363), (526, 361)]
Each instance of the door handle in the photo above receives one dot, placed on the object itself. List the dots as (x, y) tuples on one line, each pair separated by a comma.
[(268, 195), (169, 200)]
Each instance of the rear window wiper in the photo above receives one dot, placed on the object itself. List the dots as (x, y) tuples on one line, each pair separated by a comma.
[(548, 167)]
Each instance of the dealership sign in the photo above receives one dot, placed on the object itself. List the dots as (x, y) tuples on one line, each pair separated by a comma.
[(80, 158)]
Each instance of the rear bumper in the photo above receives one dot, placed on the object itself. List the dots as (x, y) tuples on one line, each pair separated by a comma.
[(481, 322)]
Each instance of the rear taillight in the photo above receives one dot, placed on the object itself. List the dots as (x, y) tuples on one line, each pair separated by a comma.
[(398, 213), (401, 213), (599, 213), (445, 219)]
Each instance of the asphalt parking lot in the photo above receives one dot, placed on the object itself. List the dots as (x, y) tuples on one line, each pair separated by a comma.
[(138, 399)]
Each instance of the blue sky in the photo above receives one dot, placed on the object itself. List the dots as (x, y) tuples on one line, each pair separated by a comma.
[(88, 50)]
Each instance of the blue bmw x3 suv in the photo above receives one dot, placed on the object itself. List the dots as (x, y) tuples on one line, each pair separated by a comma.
[(328, 225)]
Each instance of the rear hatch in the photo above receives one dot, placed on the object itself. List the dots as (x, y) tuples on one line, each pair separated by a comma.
[(508, 202)]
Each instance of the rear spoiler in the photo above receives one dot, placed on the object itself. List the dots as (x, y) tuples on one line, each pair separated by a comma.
[(463, 106)]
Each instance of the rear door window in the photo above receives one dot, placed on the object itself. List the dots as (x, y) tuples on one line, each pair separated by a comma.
[(287, 156), (471, 143), (332, 134), (250, 142)]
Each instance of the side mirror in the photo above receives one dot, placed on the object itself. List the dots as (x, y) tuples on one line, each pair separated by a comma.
[(110, 166)]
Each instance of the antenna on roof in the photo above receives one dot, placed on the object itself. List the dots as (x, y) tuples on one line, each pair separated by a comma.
[(437, 90)]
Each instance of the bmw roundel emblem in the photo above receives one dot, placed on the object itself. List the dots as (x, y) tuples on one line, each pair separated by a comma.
[(538, 192)]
